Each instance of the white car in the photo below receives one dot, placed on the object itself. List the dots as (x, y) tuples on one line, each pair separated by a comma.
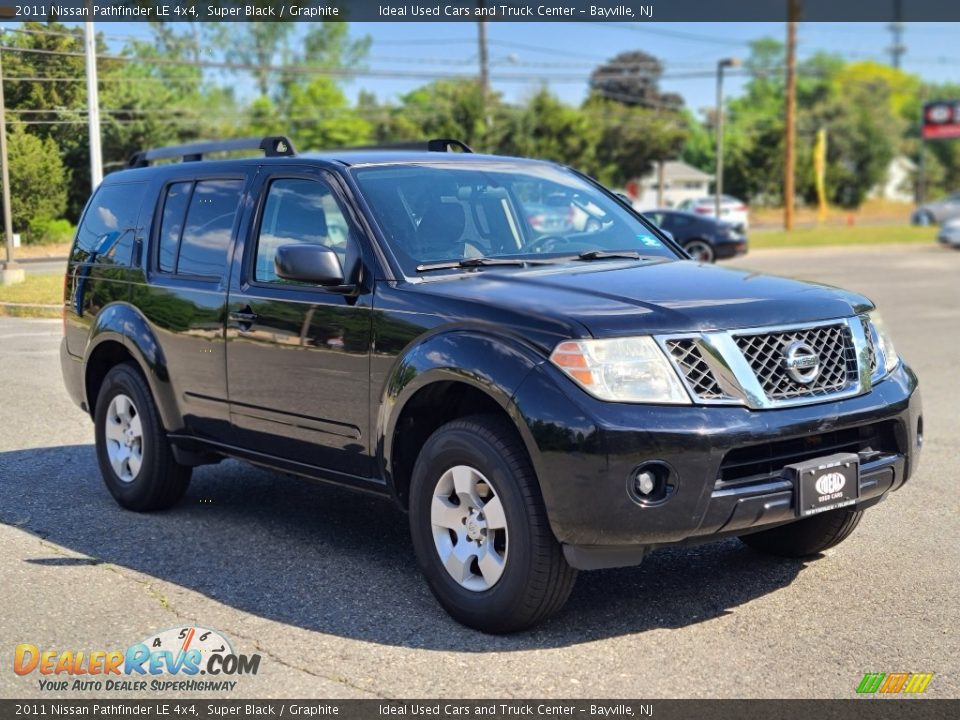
[(732, 210)]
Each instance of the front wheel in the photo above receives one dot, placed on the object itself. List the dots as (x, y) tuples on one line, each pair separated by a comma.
[(480, 529), (135, 458), (700, 250), (806, 537)]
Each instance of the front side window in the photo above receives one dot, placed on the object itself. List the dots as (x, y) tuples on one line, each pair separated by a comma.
[(109, 225), (299, 211), (452, 211)]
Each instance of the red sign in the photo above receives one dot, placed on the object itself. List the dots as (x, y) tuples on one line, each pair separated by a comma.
[(941, 120)]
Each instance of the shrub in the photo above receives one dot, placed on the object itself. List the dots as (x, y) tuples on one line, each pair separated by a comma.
[(49, 232)]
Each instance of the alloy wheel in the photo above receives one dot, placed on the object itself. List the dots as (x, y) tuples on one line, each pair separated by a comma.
[(469, 528), (124, 435)]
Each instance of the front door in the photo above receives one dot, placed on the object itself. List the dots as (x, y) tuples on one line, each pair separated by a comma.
[(297, 354)]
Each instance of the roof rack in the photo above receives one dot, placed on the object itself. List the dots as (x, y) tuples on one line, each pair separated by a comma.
[(272, 146), (434, 145)]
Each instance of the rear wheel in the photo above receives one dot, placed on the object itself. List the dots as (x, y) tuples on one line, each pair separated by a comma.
[(480, 530), (700, 250), (135, 457), (806, 537)]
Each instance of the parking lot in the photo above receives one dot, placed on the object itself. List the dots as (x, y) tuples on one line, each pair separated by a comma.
[(322, 582)]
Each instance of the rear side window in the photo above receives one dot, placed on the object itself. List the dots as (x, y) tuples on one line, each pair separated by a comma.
[(171, 226), (109, 225), (196, 243)]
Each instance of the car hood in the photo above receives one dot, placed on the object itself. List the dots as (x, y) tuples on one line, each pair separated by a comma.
[(613, 298)]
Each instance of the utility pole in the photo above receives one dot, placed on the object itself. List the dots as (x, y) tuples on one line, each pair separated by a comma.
[(793, 13), (897, 49), (484, 60), (93, 106), (718, 184), (9, 272)]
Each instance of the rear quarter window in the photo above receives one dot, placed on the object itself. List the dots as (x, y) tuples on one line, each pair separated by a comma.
[(109, 225)]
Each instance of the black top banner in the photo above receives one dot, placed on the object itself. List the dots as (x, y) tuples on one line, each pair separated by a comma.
[(491, 10)]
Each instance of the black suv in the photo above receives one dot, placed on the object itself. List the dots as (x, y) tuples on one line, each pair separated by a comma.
[(540, 401)]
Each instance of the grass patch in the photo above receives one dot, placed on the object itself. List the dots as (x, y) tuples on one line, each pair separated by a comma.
[(856, 235), (35, 290)]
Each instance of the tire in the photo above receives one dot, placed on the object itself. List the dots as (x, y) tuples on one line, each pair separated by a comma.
[(134, 454), (924, 217), (700, 250), (806, 537), (524, 577)]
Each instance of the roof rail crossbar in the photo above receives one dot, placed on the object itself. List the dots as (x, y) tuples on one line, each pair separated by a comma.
[(272, 146), (433, 145)]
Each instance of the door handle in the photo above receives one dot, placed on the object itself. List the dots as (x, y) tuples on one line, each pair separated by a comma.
[(244, 318)]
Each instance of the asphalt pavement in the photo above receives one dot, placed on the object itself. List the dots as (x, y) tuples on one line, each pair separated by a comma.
[(322, 583)]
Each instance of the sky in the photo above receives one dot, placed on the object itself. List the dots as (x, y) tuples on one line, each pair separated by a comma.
[(692, 49), (574, 49), (562, 55)]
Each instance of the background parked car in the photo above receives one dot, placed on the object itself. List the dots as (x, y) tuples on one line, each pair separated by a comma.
[(732, 210), (950, 233), (703, 238), (937, 212)]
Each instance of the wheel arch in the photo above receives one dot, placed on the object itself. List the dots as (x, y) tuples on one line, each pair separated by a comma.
[(444, 377), (121, 334)]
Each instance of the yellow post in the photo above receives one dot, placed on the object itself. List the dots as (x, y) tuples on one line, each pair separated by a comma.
[(820, 170)]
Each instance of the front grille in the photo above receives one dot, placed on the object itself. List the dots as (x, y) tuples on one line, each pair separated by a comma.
[(686, 354), (832, 343), (770, 458)]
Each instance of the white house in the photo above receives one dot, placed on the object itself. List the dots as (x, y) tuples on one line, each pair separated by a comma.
[(680, 182), (898, 183)]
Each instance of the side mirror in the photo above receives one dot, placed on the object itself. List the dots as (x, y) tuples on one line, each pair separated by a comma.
[(309, 263)]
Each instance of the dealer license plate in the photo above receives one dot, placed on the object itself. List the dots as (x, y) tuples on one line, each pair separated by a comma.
[(825, 483)]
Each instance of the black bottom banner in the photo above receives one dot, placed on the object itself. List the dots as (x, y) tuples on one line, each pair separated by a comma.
[(866, 708)]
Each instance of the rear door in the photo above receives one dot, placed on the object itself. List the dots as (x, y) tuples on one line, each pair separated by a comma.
[(184, 294), (298, 355)]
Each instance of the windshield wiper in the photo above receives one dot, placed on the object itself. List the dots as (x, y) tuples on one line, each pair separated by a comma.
[(602, 254), (474, 262)]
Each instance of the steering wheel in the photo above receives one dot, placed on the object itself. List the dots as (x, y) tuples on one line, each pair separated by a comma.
[(546, 243)]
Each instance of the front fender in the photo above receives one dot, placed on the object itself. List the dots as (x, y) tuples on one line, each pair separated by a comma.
[(494, 364), (123, 323)]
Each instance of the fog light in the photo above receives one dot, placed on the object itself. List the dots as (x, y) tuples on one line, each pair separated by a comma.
[(651, 483), (645, 483)]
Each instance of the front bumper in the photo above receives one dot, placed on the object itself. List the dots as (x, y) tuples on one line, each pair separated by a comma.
[(586, 452), (949, 237), (731, 248)]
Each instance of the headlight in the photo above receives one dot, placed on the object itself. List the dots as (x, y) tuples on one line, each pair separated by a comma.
[(883, 345), (621, 369)]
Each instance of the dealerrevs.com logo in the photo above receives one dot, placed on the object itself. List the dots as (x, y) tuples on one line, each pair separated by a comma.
[(180, 659)]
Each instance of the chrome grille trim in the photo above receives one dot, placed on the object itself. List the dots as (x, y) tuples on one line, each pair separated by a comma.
[(832, 343), (742, 366), (694, 369)]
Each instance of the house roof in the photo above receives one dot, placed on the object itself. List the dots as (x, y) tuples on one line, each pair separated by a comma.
[(679, 170)]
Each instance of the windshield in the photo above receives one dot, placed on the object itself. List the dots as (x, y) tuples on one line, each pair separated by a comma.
[(450, 212)]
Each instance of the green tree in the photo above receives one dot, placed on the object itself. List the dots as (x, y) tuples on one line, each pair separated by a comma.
[(318, 116), (38, 179), (547, 128), (451, 109), (632, 139)]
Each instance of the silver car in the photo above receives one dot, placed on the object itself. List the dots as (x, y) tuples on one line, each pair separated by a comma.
[(937, 212), (950, 233)]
